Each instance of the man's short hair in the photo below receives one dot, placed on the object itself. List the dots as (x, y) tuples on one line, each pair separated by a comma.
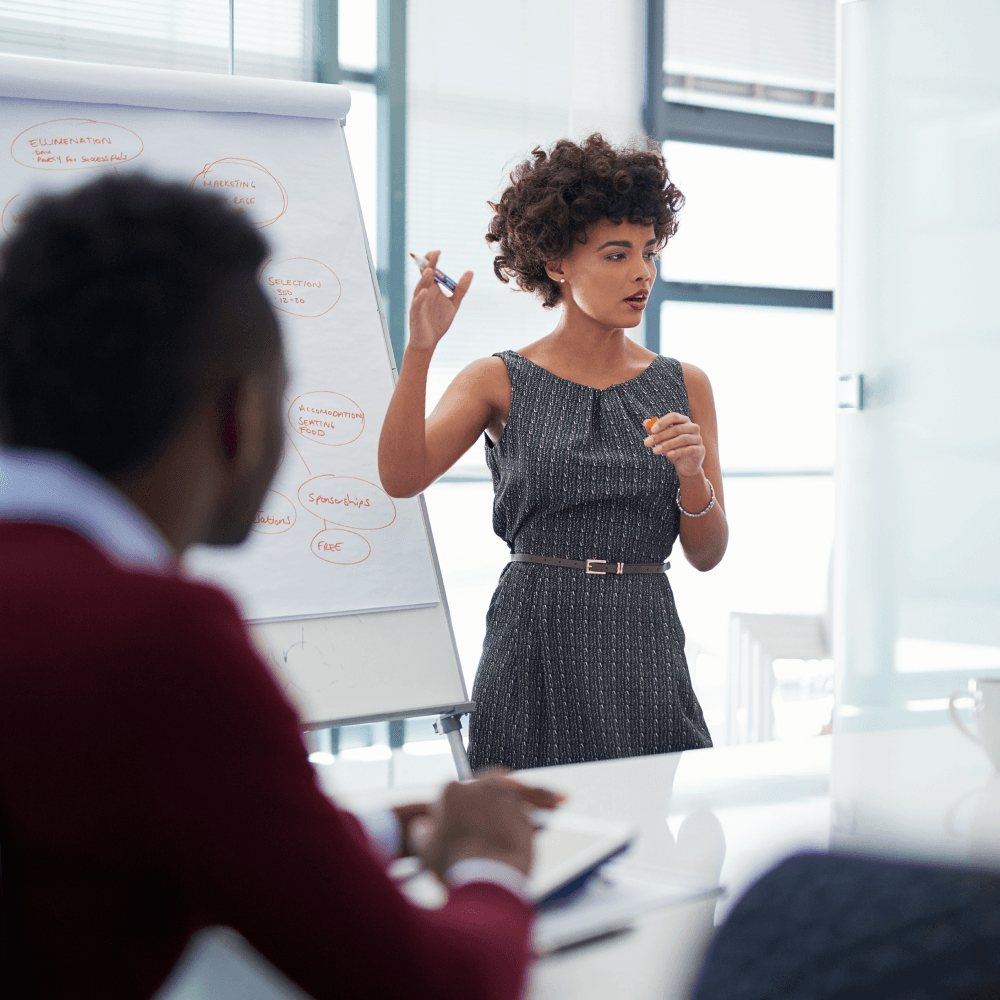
[(112, 311)]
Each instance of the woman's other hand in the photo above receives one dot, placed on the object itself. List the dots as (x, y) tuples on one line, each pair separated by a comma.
[(678, 438), (431, 311)]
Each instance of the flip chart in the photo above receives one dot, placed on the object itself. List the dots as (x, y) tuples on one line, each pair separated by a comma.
[(328, 541)]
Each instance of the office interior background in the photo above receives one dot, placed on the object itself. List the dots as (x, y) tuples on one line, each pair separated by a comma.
[(862, 468)]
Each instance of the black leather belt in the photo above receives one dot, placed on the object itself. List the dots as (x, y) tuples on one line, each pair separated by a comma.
[(592, 567)]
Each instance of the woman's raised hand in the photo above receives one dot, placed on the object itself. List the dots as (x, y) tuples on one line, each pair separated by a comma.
[(675, 436), (431, 311)]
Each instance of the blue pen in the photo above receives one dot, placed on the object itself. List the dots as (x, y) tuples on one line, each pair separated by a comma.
[(439, 276)]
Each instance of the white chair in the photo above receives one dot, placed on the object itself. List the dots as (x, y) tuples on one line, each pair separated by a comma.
[(755, 642)]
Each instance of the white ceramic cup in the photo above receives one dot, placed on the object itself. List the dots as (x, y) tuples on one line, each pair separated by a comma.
[(985, 693)]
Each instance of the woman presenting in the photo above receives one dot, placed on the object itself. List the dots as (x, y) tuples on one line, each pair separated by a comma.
[(584, 653)]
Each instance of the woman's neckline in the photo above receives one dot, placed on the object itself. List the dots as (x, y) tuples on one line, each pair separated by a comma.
[(592, 388)]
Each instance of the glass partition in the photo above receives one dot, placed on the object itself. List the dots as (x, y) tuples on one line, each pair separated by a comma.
[(919, 550)]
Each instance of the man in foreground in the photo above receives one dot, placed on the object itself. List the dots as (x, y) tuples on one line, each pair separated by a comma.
[(152, 776)]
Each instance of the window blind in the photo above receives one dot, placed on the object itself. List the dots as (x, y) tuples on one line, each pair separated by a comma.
[(272, 37), (790, 42)]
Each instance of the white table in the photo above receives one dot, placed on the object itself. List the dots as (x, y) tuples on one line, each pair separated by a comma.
[(730, 813), (924, 793), (724, 814)]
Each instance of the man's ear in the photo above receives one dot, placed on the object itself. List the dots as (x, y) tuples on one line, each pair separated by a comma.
[(229, 419), (241, 407)]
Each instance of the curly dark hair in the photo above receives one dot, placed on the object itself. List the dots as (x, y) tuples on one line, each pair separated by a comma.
[(118, 300), (555, 198)]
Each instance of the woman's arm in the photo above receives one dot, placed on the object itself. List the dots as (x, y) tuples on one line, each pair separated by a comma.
[(414, 451), (692, 444)]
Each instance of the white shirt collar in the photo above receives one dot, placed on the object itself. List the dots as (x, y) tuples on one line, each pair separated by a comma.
[(52, 488)]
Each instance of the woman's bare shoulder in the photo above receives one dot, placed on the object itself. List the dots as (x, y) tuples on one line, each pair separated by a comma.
[(699, 391), (486, 370), (485, 366), (695, 380), (487, 379)]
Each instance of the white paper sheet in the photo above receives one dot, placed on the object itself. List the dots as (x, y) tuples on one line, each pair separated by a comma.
[(329, 540)]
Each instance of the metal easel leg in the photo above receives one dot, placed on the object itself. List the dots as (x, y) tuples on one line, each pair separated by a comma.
[(397, 737), (451, 726)]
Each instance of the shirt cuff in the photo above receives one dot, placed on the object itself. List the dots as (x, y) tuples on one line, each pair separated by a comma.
[(487, 870), (382, 827)]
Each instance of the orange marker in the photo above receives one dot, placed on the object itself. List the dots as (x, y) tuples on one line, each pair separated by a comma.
[(648, 424)]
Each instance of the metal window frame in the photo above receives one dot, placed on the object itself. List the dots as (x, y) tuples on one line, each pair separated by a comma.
[(744, 295), (747, 130), (663, 120), (684, 122), (326, 47), (389, 81), (390, 88)]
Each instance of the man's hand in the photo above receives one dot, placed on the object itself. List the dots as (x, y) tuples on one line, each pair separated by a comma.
[(421, 812), (533, 795), (485, 818), (417, 820)]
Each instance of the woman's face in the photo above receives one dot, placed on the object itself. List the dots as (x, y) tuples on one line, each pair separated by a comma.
[(610, 276)]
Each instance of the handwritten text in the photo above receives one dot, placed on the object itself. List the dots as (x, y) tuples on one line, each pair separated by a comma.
[(347, 500), (86, 139), (295, 282), (270, 519), (214, 182)]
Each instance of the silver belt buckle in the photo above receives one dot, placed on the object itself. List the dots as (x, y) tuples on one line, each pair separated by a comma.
[(596, 572)]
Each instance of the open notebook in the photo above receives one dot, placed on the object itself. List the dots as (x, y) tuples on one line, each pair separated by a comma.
[(583, 884), (570, 850)]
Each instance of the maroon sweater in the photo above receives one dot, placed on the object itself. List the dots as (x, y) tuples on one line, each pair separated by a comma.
[(153, 781)]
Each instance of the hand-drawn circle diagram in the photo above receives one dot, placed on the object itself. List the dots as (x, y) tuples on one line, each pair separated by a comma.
[(335, 545), (11, 214), (300, 286), (75, 144), (276, 515), (348, 502), (326, 418), (247, 187)]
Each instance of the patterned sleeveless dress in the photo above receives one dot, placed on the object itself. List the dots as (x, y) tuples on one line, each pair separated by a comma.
[(577, 667)]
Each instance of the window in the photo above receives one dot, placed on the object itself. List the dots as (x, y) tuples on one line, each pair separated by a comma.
[(772, 376), (752, 217), (744, 106), (775, 57)]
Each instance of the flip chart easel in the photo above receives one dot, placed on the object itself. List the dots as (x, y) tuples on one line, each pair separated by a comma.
[(339, 582)]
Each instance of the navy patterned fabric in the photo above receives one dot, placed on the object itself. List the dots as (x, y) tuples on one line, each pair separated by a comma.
[(578, 667), (827, 927)]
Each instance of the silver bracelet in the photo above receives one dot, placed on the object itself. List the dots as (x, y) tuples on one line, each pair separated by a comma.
[(711, 503)]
